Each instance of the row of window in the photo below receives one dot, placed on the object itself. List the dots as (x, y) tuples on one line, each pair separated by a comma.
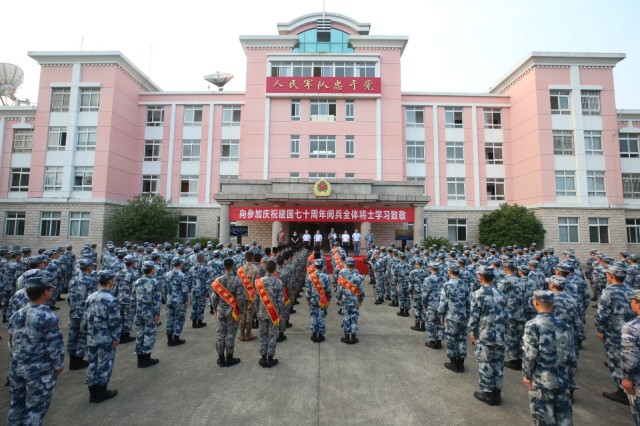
[(57, 140), (323, 110), (14, 224), (53, 179), (323, 69), (566, 183), (230, 150), (415, 151), (414, 117), (231, 115), (61, 97), (561, 102)]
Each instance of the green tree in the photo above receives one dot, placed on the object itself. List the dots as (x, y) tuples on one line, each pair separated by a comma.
[(511, 225), (145, 218)]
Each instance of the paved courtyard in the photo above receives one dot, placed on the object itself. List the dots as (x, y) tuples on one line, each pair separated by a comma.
[(389, 378)]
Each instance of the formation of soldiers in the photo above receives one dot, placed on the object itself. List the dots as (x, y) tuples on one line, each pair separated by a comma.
[(522, 304)]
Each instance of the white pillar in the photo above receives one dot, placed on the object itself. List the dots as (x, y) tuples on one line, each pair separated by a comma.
[(275, 230), (225, 224), (418, 224)]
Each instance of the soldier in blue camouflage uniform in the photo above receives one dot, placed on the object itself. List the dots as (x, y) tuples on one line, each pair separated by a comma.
[(102, 325), (378, 272), (392, 284), (216, 267), (614, 310), (549, 363), (287, 279), (20, 299), (199, 281), (487, 328), (123, 290), (268, 330), (351, 301), (148, 298), (630, 357), (318, 314), (514, 293), (80, 287), (176, 292), (633, 272), (37, 355), (453, 311), (227, 325), (416, 278), (402, 275), (431, 286), (12, 270)]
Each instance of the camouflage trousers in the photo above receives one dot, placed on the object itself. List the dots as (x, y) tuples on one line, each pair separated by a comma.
[(285, 315), (456, 335), (403, 296), (145, 335), (379, 288), (77, 341), (435, 330), (6, 295), (30, 398), (514, 331), (176, 314), (126, 316), (387, 285), (418, 309), (268, 337), (612, 352), (246, 317), (101, 360), (350, 315), (318, 319), (551, 407), (393, 290), (226, 333), (490, 366), (198, 303), (635, 408)]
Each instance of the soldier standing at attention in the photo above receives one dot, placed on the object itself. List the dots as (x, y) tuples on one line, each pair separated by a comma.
[(402, 271), (431, 286), (103, 327), (227, 303), (200, 278), (630, 357), (80, 288), (453, 310), (351, 293), (487, 327), (123, 290), (416, 277), (378, 272), (513, 291), (177, 295), (246, 272), (37, 355), (269, 290), (548, 363), (318, 293), (148, 296)]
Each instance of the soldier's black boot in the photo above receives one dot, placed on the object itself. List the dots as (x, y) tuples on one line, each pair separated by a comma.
[(102, 394), (177, 341), (393, 303), (148, 361), (222, 362), (194, 324), (73, 363), (314, 337), (514, 364), (406, 313), (432, 345), (453, 365), (400, 313), (460, 365), (271, 361), (288, 324), (346, 339), (281, 337), (354, 339), (170, 340), (263, 361), (231, 360), (438, 344), (211, 310), (618, 396), (497, 398), (92, 393), (423, 326), (320, 337), (486, 397), (416, 327), (140, 360), (378, 302), (4, 318), (201, 324), (126, 338)]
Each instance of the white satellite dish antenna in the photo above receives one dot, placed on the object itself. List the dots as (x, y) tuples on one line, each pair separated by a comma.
[(219, 79), (11, 77)]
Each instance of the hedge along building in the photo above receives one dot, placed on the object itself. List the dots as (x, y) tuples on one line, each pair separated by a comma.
[(323, 99)]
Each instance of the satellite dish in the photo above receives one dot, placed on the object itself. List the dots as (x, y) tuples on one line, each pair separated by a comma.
[(219, 79), (11, 77)]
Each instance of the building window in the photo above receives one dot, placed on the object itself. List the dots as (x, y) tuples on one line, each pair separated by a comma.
[(633, 231), (455, 188), (295, 175), (322, 147), (318, 175), (590, 100), (50, 224), (83, 178), (493, 153), (631, 185), (60, 99), (596, 183), (230, 150), (14, 224), (563, 142), (57, 139), (226, 177), (349, 147), (79, 224), (189, 186), (350, 175), (231, 116), (599, 230), (492, 118), (193, 115), (86, 139), (323, 110), (495, 189), (53, 178), (191, 150), (568, 230), (414, 117), (89, 99), (295, 110), (155, 115), (415, 152), (152, 149), (150, 184), (22, 140), (294, 151), (19, 180), (350, 110), (629, 145), (457, 229), (593, 142), (187, 227), (455, 152), (560, 102), (453, 117), (565, 183)]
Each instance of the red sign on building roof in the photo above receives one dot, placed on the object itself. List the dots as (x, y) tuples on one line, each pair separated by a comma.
[(324, 85)]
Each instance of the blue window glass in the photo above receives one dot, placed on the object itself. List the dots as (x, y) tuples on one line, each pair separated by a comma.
[(338, 42)]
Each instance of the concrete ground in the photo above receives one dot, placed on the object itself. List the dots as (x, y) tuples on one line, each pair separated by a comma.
[(389, 378)]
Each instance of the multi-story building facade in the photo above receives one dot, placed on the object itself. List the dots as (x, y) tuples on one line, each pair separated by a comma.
[(323, 102)]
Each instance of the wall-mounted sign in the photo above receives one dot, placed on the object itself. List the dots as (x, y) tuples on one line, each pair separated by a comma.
[(322, 188), (321, 214), (324, 85)]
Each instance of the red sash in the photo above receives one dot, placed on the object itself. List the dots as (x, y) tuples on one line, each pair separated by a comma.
[(339, 264), (227, 297), (266, 301), (346, 284), (247, 284), (287, 302), (310, 269), (310, 258), (324, 302)]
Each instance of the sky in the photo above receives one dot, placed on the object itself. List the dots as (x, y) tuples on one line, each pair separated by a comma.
[(454, 45)]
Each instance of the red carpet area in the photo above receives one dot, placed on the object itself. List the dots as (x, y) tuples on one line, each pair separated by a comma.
[(361, 266)]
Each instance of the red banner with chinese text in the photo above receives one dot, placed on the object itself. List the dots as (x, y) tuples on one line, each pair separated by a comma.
[(324, 85), (321, 214)]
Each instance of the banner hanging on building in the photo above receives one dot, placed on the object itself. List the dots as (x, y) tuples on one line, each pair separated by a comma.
[(325, 85), (321, 214)]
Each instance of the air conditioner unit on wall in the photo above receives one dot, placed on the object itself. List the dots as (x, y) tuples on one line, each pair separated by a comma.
[(323, 118)]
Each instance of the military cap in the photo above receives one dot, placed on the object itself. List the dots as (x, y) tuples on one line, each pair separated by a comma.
[(454, 268), (216, 253), (441, 256), (616, 271), (129, 259), (230, 252), (105, 275), (3, 251), (434, 265), (633, 257), (176, 261), (197, 246), (635, 294), (419, 261), (219, 246), (485, 270), (403, 255), (122, 252), (16, 253), (544, 296), (84, 263), (556, 280), (608, 259), (229, 244), (563, 267), (463, 261), (167, 246), (155, 255), (148, 265), (534, 263), (524, 268), (624, 254), (509, 264), (238, 249), (254, 242), (351, 261), (35, 260), (38, 281), (180, 249), (496, 262), (376, 252), (319, 263), (200, 255), (149, 249)]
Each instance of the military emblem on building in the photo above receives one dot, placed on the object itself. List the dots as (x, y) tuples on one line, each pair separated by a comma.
[(322, 188)]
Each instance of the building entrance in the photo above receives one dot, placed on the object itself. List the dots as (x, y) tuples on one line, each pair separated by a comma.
[(326, 228)]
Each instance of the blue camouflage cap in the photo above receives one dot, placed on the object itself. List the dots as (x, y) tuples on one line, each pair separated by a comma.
[(129, 259), (454, 268), (434, 265), (200, 255), (563, 267), (105, 275), (635, 294), (485, 270), (557, 281), (38, 281), (84, 263), (177, 261), (524, 268), (616, 271), (319, 263), (148, 265), (544, 296), (350, 261)]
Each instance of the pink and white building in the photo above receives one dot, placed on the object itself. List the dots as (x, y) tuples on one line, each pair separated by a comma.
[(323, 99)]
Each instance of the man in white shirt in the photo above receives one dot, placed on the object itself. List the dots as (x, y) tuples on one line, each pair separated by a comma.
[(345, 241), (306, 239), (356, 243), (317, 240)]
